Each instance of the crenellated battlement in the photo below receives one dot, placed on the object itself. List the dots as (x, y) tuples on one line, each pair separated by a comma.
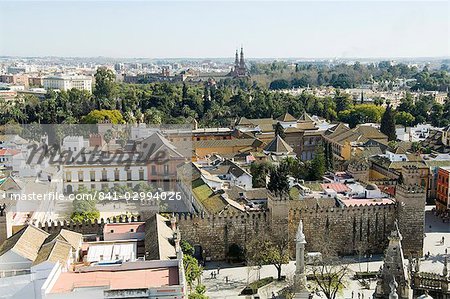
[(347, 229), (231, 216), (84, 227), (410, 189), (347, 209)]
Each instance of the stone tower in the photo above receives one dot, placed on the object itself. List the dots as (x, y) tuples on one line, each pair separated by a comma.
[(394, 270), (411, 217), (359, 169)]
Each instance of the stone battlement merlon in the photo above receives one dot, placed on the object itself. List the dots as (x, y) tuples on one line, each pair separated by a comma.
[(347, 209), (226, 216)]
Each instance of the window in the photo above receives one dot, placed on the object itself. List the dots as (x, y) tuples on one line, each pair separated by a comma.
[(111, 231), (68, 176), (166, 169), (104, 175), (141, 174), (116, 175), (153, 169), (80, 176), (92, 175), (129, 175), (132, 230)]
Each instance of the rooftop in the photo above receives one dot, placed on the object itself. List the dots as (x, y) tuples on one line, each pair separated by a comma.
[(127, 276)]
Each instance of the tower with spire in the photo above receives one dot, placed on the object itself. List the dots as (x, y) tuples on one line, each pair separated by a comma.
[(239, 69), (394, 270), (236, 61), (242, 62)]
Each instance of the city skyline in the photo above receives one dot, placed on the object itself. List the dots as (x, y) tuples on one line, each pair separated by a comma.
[(266, 29)]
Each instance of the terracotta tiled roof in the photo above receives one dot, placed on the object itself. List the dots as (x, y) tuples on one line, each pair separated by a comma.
[(286, 118), (253, 142), (55, 251), (338, 187), (25, 242), (278, 145)]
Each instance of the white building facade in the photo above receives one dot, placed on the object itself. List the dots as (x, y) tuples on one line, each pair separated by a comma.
[(68, 82)]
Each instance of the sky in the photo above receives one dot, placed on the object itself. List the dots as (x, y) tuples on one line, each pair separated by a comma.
[(209, 29)]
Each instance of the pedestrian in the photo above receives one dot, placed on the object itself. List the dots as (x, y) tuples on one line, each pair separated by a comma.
[(212, 275), (353, 293), (442, 240), (359, 295), (273, 295), (218, 269), (226, 279)]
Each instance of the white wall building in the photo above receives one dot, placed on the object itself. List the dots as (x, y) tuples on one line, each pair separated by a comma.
[(68, 82)]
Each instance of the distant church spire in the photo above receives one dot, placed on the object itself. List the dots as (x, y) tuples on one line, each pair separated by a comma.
[(239, 69), (242, 62)]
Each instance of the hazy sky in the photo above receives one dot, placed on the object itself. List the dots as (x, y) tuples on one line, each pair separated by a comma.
[(214, 29)]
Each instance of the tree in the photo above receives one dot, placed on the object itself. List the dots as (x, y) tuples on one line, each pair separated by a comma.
[(403, 118), (85, 209), (278, 182), (186, 247), (99, 116), (108, 136), (199, 293), (153, 116), (279, 130), (193, 271), (105, 87), (387, 126), (269, 248), (294, 167), (279, 84), (328, 152), (329, 275), (329, 272), (259, 172), (318, 165), (364, 113), (343, 101)]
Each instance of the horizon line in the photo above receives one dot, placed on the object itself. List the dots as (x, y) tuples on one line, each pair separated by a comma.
[(230, 57)]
